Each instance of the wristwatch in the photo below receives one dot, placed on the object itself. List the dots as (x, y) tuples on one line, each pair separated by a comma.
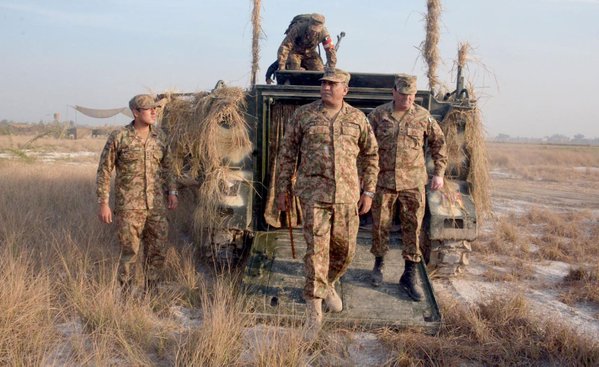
[(370, 194), (174, 192)]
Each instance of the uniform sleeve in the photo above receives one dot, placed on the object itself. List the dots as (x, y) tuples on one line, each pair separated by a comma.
[(286, 47), (167, 169), (329, 48), (437, 146), (368, 159), (373, 120), (105, 167), (288, 155)]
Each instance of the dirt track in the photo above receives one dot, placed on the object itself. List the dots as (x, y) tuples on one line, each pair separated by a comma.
[(559, 195)]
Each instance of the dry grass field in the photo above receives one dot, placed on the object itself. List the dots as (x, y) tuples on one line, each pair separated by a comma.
[(529, 297)]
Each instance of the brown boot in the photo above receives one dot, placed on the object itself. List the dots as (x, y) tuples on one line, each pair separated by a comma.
[(333, 301), (314, 319)]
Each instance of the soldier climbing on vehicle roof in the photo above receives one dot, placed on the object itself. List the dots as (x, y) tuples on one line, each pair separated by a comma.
[(298, 51)]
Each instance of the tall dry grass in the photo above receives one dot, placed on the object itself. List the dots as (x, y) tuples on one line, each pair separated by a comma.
[(60, 304), (541, 233), (502, 332), (545, 162)]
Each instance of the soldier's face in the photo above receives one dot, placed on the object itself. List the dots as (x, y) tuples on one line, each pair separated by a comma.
[(402, 102), (332, 93), (145, 115)]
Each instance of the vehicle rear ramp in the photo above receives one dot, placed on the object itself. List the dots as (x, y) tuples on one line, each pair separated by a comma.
[(273, 281)]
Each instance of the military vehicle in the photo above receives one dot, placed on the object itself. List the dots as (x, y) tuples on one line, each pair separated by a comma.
[(258, 238)]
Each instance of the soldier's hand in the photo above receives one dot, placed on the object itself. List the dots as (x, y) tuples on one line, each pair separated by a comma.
[(269, 81), (173, 201), (364, 204), (437, 183), (282, 202), (104, 213)]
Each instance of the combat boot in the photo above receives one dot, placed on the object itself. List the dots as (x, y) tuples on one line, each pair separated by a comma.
[(407, 282), (377, 271), (333, 301), (314, 320)]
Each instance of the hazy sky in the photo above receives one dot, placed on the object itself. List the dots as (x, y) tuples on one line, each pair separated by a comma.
[(537, 69)]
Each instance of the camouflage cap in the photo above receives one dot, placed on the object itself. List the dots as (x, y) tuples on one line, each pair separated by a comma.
[(405, 84), (143, 101), (336, 75)]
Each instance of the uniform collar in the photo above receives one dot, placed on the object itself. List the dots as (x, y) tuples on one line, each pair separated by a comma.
[(410, 111), (131, 129), (321, 106)]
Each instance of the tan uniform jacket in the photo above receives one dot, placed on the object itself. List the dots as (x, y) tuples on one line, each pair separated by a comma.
[(329, 152), (143, 171), (401, 144)]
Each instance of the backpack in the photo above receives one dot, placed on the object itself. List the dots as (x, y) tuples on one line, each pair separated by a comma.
[(298, 19)]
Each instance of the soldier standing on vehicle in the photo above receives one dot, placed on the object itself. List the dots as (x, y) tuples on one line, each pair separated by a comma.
[(402, 128), (144, 187), (324, 142), (298, 51)]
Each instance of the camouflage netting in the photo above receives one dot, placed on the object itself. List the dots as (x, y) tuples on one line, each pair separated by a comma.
[(465, 149), (256, 32), (467, 161), (430, 49), (209, 139)]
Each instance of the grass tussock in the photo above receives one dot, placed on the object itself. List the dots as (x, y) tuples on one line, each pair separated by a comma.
[(278, 347), (543, 234), (581, 285), (219, 342), (501, 332)]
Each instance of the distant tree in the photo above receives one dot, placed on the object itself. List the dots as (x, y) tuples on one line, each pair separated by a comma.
[(558, 138), (579, 137), (502, 137)]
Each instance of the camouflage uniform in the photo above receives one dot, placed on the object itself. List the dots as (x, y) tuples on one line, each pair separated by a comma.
[(402, 175), (299, 48), (328, 152), (143, 175)]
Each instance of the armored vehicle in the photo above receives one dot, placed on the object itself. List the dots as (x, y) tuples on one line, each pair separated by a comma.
[(237, 187), (258, 234)]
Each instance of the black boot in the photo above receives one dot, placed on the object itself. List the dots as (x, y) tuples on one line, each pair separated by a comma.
[(377, 271), (407, 282)]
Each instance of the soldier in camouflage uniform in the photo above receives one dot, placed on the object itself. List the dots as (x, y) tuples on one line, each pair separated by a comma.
[(298, 49), (141, 157), (402, 128), (325, 141)]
